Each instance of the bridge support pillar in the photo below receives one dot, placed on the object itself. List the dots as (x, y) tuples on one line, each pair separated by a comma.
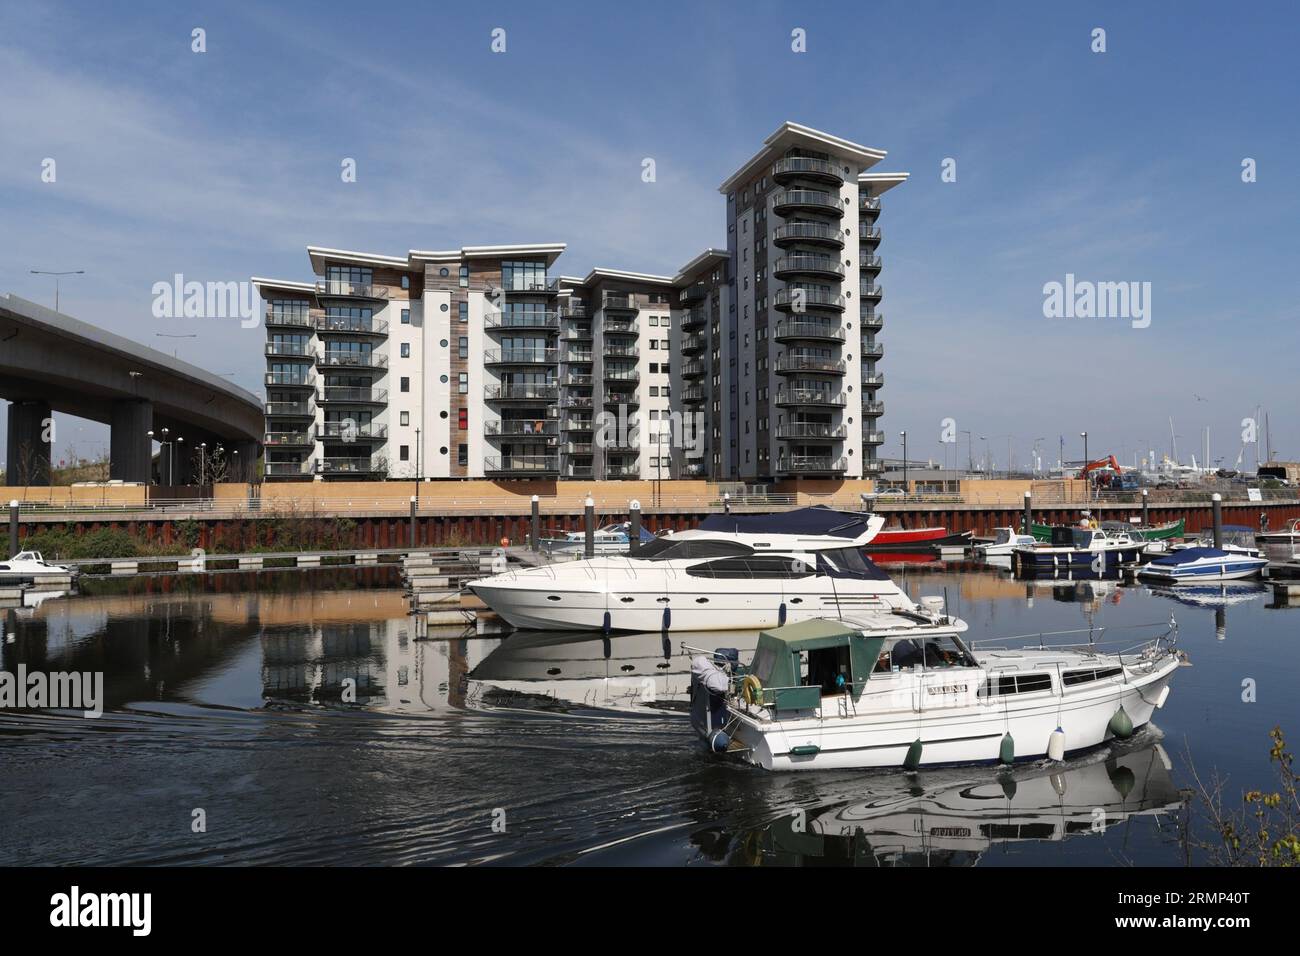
[(130, 455), (241, 461), (27, 453)]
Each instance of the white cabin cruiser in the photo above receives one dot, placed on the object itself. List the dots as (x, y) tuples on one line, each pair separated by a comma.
[(731, 573), (1203, 564), (30, 566), (611, 539), (1288, 535), (904, 690), (1004, 543)]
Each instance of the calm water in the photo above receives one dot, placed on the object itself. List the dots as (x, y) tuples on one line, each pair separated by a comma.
[(228, 694)]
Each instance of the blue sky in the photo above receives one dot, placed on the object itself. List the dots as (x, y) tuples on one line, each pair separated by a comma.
[(1121, 166)]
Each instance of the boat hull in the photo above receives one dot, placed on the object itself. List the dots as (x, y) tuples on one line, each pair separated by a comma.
[(958, 735), (1044, 559), (915, 539), (1230, 569)]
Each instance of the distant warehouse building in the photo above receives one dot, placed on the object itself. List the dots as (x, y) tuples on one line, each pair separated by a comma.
[(1288, 471)]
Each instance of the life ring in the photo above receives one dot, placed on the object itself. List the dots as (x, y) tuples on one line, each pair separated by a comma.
[(751, 690)]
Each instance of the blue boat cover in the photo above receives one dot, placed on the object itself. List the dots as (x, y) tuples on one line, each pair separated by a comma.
[(817, 520), (1188, 555)]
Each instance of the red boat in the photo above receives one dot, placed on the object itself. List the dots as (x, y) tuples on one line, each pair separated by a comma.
[(917, 539)]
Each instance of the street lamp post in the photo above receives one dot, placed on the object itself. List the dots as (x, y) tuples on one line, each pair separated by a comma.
[(904, 434), (57, 277), (1084, 473), (970, 450)]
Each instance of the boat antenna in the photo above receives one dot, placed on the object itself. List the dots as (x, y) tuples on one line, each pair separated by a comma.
[(839, 611)]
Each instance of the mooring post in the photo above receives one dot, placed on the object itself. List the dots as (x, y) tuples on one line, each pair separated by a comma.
[(1146, 507), (726, 502), (13, 527), (1216, 502), (412, 534), (634, 525), (535, 531), (589, 527), (1029, 528)]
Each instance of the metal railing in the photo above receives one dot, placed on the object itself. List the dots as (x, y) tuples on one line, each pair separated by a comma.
[(813, 463), (806, 165), (340, 287), (806, 264), (297, 320), (796, 362), (291, 350), (521, 356), (521, 320), (812, 198), (809, 396), (521, 393), (521, 464), (350, 325), (794, 329), (796, 430), (337, 466), (353, 359), (522, 428), (354, 395), (807, 232), (271, 439), (291, 379), (530, 283), (290, 409), (793, 297), (344, 431)]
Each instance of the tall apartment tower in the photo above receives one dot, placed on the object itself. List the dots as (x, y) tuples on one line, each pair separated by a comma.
[(802, 380)]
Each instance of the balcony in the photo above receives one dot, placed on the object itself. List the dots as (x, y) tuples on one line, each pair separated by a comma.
[(371, 360), (577, 401), (342, 289), (288, 440), (693, 344), (619, 325), (615, 399), (871, 291), (579, 425), (521, 356), (810, 233), (869, 263), (621, 351), (868, 233), (536, 284), (520, 466), (622, 470), (364, 465), (290, 410), (294, 350), (794, 431), (792, 330), (286, 320), (621, 301), (694, 469), (796, 362), (693, 369), (574, 310), (811, 465), (873, 438), (521, 320), (578, 356), (576, 334), (873, 350), (869, 203), (788, 201), (696, 318), (288, 469), (350, 432), (579, 471), (809, 397), (583, 448), (873, 409), (872, 380), (792, 168), (353, 396), (692, 293), (523, 429), (871, 321), (521, 393), (872, 466), (349, 325), (693, 394), (577, 380), (800, 300), (291, 379), (793, 265), (621, 374)]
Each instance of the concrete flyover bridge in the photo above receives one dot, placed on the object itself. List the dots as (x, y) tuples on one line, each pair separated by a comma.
[(50, 362)]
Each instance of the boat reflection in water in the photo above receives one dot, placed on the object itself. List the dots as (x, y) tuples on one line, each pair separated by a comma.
[(567, 670), (945, 822), (1216, 597)]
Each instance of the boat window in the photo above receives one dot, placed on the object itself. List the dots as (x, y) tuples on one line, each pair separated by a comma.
[(828, 668), (757, 566), (848, 563), (906, 654), (1015, 684), (1082, 677), (666, 549), (944, 651)]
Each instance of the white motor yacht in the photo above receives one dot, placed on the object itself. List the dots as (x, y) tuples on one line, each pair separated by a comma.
[(1004, 543), (733, 572), (30, 566)]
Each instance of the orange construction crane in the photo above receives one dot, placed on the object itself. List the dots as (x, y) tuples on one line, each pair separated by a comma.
[(1108, 461)]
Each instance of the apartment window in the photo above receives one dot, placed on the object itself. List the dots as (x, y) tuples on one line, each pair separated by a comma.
[(405, 384), (654, 367), (462, 381), (464, 277), (406, 350), (463, 346), (654, 320), (405, 418), (462, 419), (406, 316), (654, 391), (406, 282), (462, 454), (463, 310), (404, 452), (654, 344), (352, 275)]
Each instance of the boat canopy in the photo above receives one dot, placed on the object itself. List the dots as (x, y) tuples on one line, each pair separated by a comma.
[(777, 657), (1190, 555), (817, 520)]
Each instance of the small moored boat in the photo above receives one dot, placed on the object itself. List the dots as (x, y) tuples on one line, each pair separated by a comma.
[(1202, 564), (1005, 541), (30, 566), (1289, 535), (1080, 548), (916, 539)]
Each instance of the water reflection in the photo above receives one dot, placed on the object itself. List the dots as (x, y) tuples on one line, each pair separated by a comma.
[(955, 823)]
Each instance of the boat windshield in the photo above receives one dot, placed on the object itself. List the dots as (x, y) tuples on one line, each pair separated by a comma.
[(1003, 536), (848, 563), (668, 549)]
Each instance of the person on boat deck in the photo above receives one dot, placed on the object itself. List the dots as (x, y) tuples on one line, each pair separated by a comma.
[(936, 655)]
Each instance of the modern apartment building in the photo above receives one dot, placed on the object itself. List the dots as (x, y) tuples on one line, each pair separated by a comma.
[(803, 240), (480, 362)]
